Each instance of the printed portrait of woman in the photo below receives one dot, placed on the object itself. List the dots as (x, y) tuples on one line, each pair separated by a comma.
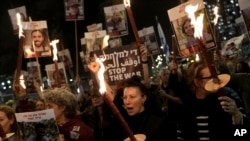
[(187, 42)]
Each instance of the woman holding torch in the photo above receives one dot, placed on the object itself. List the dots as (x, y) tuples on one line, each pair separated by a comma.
[(141, 121), (207, 115)]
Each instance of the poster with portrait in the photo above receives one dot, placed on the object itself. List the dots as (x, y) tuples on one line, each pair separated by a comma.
[(184, 31), (147, 36), (12, 13), (33, 74), (36, 43), (116, 20), (74, 10), (231, 48), (121, 63), (65, 57), (39, 122), (94, 40), (56, 78)]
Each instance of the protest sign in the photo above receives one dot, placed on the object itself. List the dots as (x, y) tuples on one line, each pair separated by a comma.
[(148, 37), (121, 63), (43, 121), (184, 30)]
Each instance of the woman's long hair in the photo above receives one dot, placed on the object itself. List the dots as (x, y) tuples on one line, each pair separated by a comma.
[(10, 114)]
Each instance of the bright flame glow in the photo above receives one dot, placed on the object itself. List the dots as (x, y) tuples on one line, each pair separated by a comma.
[(105, 41), (53, 43), (197, 23), (198, 27), (22, 82), (101, 71), (197, 58), (216, 14), (28, 51), (19, 23), (126, 3), (78, 90), (191, 10), (41, 88)]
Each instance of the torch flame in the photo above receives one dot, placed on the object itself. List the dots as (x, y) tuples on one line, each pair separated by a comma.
[(191, 10), (22, 82), (101, 71), (198, 27), (19, 23), (216, 14), (126, 3), (105, 41), (53, 43), (197, 23)]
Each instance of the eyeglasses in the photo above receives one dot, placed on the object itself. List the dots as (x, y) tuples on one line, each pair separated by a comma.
[(208, 77)]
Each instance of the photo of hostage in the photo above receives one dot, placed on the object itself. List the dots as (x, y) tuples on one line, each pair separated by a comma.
[(188, 30), (40, 133), (73, 8), (116, 23), (40, 45), (230, 50)]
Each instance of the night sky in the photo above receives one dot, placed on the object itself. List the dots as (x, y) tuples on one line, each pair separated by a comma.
[(53, 12)]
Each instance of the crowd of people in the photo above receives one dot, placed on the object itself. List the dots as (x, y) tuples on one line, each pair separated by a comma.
[(175, 107)]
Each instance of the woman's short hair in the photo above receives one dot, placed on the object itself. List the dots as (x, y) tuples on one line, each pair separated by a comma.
[(132, 82), (63, 98), (194, 72)]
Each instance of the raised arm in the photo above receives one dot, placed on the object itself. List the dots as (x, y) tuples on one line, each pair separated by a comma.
[(94, 68), (144, 58)]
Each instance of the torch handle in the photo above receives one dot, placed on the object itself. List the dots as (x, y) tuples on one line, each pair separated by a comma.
[(58, 75), (118, 115), (216, 42), (133, 25), (19, 64), (174, 49), (210, 65)]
